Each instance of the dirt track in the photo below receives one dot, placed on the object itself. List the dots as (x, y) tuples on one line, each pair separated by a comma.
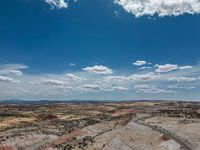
[(132, 136), (173, 136)]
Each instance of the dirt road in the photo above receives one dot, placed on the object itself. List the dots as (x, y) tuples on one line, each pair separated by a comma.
[(183, 144)]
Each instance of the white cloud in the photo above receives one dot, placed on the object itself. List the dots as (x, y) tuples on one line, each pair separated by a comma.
[(8, 80), (57, 3), (185, 67), (116, 78), (182, 79), (139, 63), (144, 77), (91, 87), (13, 66), (81, 84), (16, 72), (12, 69), (54, 82), (143, 68), (160, 7), (74, 77), (135, 77), (34, 83), (66, 88), (144, 88), (99, 69), (166, 68), (181, 87), (119, 88), (171, 67), (72, 64), (5, 79)]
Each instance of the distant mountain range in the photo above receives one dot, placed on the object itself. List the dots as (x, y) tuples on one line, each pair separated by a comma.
[(49, 101), (39, 102)]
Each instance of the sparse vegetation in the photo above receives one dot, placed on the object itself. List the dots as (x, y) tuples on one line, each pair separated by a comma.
[(70, 126)]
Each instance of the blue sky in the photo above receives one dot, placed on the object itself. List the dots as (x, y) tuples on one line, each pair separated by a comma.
[(108, 49)]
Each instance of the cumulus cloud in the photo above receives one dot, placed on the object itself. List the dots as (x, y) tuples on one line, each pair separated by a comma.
[(182, 79), (139, 63), (166, 68), (144, 88), (99, 69), (57, 3), (170, 67), (160, 7)]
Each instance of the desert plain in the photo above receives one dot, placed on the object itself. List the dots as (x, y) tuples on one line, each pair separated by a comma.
[(90, 125)]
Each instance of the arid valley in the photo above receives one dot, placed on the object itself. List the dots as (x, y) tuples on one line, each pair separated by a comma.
[(139, 125)]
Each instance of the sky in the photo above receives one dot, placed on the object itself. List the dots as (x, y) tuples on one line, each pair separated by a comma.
[(100, 49)]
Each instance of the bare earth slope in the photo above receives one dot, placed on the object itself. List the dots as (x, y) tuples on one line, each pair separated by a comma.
[(152, 125)]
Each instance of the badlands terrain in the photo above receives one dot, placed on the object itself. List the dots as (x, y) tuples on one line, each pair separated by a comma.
[(133, 125)]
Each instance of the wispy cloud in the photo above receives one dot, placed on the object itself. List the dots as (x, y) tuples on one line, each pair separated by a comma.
[(144, 88), (120, 88), (16, 72), (74, 77), (53, 82), (72, 64), (12, 69), (182, 79), (13, 66), (185, 67), (145, 67), (90, 87), (134, 77), (175, 86), (144, 77), (8, 80), (5, 79)]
